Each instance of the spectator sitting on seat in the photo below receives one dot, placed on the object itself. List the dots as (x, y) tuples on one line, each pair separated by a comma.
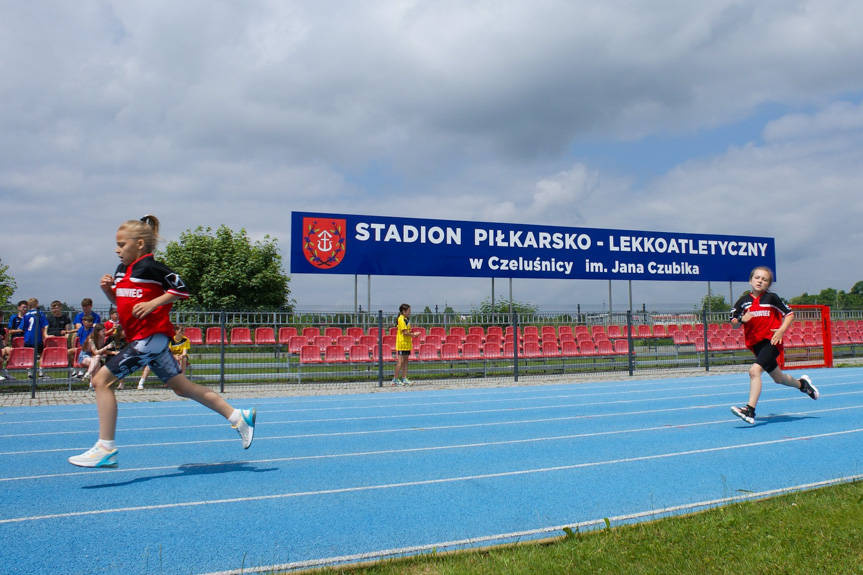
[(83, 333), (15, 322), (180, 346), (118, 339), (113, 323), (59, 323), (93, 349), (5, 350), (34, 335), (86, 309)]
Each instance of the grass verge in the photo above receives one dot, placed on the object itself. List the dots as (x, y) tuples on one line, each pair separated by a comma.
[(818, 531)]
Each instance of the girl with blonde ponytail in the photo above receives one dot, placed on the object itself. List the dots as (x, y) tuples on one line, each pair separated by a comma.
[(143, 290)]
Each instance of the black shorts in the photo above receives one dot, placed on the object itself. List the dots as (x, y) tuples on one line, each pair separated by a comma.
[(39, 350), (766, 355), (404, 352)]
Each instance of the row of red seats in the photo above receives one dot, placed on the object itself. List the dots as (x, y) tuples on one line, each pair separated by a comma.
[(52, 358), (360, 353)]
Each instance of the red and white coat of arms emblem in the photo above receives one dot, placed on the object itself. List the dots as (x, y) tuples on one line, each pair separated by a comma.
[(324, 242)]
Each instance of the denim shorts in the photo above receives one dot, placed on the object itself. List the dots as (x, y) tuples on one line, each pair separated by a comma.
[(152, 351)]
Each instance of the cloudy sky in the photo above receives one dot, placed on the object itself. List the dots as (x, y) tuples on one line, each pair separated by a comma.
[(717, 117)]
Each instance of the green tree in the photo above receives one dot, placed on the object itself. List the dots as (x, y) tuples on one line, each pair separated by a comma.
[(502, 306), (225, 270), (714, 303), (7, 285)]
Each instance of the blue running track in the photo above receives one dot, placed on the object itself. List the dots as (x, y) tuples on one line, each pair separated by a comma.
[(345, 478)]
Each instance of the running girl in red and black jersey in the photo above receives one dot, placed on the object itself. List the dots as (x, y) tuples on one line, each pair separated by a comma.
[(143, 291), (765, 318)]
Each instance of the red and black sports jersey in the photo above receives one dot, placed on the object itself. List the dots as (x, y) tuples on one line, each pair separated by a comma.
[(768, 311), (145, 280)]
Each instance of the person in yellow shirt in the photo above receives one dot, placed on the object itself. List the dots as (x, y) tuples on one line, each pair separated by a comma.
[(404, 345)]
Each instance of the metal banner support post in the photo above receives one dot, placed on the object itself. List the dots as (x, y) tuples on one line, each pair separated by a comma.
[(222, 322), (630, 351), (37, 335), (515, 345), (706, 343), (380, 348)]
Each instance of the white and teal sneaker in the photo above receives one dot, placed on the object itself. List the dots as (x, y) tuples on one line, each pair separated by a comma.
[(246, 426), (406, 381), (96, 456)]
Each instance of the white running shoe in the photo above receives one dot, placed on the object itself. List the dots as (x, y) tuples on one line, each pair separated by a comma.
[(246, 426), (140, 385), (745, 413), (96, 456)]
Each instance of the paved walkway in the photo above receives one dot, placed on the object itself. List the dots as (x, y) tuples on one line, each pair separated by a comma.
[(133, 395)]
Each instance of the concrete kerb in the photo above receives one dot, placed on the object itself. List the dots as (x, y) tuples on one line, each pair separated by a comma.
[(132, 395)]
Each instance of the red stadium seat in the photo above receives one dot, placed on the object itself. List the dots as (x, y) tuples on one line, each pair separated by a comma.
[(321, 341), (265, 336), (17, 342), (286, 333), (587, 348), (355, 332), (346, 341), (604, 347), (550, 349), (449, 352), (55, 341), (359, 354), (296, 343), (241, 336), (470, 351), (20, 358), (386, 350), (477, 330), (310, 354), (568, 348), (194, 335), (621, 347), (473, 339), (55, 358), (531, 350), (335, 354), (333, 332), (614, 332), (438, 331), (310, 332), (427, 352), (214, 336), (491, 350), (459, 331)]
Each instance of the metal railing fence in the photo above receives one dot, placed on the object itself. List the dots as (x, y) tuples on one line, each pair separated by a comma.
[(287, 348)]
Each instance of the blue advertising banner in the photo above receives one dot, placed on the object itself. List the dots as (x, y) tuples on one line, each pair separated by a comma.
[(378, 245)]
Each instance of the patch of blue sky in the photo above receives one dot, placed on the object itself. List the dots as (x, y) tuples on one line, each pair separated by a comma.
[(653, 155)]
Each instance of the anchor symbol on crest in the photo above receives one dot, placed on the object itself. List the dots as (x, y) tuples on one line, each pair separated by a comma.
[(325, 241)]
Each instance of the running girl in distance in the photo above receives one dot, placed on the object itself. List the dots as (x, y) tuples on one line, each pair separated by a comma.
[(143, 291), (765, 318)]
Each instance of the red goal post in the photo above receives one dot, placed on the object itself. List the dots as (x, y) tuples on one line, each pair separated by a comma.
[(808, 342)]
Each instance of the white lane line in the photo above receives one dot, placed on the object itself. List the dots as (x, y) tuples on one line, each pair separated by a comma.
[(500, 538), (435, 428), (440, 481)]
